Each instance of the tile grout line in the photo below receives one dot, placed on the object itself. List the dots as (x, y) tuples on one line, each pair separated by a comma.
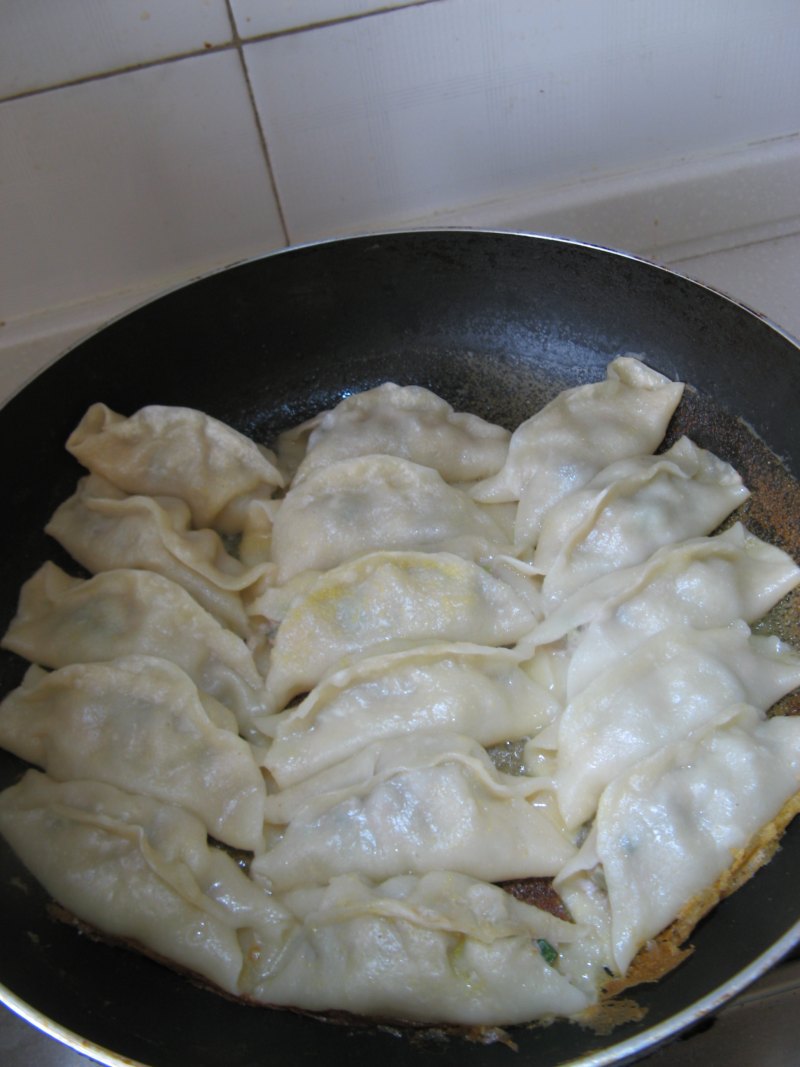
[(131, 68), (236, 42), (359, 16), (751, 243), (262, 138)]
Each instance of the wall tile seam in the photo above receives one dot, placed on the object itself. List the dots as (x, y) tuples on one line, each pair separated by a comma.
[(792, 233), (130, 68), (322, 24), (260, 133), (237, 41)]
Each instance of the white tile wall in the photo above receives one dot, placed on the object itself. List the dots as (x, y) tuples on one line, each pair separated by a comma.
[(43, 43), (665, 212), (134, 152), (118, 183), (254, 17), (372, 121)]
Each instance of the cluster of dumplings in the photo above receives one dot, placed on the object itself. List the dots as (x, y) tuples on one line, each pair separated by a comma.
[(312, 705)]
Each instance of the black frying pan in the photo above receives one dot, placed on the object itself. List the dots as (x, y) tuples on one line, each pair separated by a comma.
[(497, 324)]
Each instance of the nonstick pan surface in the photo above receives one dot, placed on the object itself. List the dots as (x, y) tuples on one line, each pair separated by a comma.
[(497, 324)]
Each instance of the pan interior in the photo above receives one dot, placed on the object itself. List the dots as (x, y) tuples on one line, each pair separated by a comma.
[(497, 324)]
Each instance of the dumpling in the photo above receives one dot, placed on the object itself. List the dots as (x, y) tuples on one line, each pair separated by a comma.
[(178, 452), (141, 724), (428, 802), (523, 578), (410, 422), (385, 598), (442, 658), (443, 947), (143, 871), (381, 759), (462, 688), (674, 683), (103, 529), (371, 503), (631, 509), (674, 823), (704, 582), (560, 448), (62, 620)]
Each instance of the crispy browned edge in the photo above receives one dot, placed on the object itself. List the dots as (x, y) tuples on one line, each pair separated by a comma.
[(663, 953)]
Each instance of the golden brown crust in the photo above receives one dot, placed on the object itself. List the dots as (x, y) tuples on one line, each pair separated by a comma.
[(668, 950)]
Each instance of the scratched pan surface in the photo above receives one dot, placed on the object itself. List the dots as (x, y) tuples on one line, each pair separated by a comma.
[(497, 324)]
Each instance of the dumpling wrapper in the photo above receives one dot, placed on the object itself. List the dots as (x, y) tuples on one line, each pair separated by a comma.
[(103, 529), (704, 582), (141, 724), (671, 685), (560, 448), (62, 620), (374, 763), (429, 802), (376, 503), (441, 948), (178, 452), (674, 823), (631, 509), (142, 871), (406, 421), (462, 688), (382, 599)]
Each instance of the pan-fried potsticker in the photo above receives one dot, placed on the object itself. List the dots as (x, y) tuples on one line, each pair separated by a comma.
[(316, 709)]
